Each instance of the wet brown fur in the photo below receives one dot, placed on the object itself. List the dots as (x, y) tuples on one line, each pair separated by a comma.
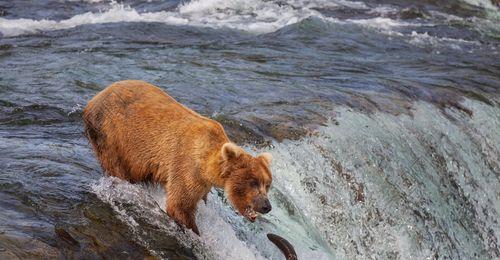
[(139, 133)]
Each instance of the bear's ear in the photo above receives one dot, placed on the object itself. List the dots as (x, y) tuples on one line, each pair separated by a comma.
[(230, 151), (267, 157)]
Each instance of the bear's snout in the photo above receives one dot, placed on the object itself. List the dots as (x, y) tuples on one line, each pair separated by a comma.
[(262, 205)]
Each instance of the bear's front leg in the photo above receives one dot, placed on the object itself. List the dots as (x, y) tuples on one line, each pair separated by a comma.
[(183, 210)]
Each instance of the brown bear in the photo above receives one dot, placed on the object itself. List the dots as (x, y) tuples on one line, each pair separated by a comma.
[(141, 134)]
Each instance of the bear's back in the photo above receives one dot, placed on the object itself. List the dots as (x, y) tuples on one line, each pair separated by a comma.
[(134, 126)]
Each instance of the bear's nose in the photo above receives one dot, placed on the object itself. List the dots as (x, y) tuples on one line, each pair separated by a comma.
[(263, 205), (266, 207)]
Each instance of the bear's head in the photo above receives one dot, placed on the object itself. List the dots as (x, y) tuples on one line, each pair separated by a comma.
[(246, 180)]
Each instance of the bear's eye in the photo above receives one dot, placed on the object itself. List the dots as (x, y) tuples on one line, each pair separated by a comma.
[(254, 183)]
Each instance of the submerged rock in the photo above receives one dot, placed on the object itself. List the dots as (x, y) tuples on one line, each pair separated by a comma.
[(412, 12)]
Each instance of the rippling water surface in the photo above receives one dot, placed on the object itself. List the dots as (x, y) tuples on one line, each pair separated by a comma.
[(383, 118)]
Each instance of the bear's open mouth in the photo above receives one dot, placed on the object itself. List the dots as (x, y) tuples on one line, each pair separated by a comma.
[(251, 214)]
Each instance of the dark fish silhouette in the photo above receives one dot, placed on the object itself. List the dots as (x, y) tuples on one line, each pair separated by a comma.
[(285, 247)]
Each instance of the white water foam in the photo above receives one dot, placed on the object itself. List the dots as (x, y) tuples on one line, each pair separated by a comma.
[(383, 24), (391, 28), (424, 39), (253, 16), (367, 186), (117, 13), (487, 4), (256, 16)]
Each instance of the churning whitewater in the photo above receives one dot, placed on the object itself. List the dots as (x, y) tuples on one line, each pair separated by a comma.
[(252, 16), (257, 16)]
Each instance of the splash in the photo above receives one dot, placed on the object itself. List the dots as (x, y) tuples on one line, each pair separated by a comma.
[(486, 4)]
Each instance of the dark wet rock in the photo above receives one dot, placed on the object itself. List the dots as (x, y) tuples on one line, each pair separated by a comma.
[(239, 132), (284, 131), (87, 85), (5, 50), (66, 237), (256, 58), (5, 103), (18, 247), (345, 12), (35, 114), (479, 97), (444, 98), (121, 238), (280, 127), (4, 47), (248, 57), (105, 236), (412, 13), (260, 131), (89, 229)]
